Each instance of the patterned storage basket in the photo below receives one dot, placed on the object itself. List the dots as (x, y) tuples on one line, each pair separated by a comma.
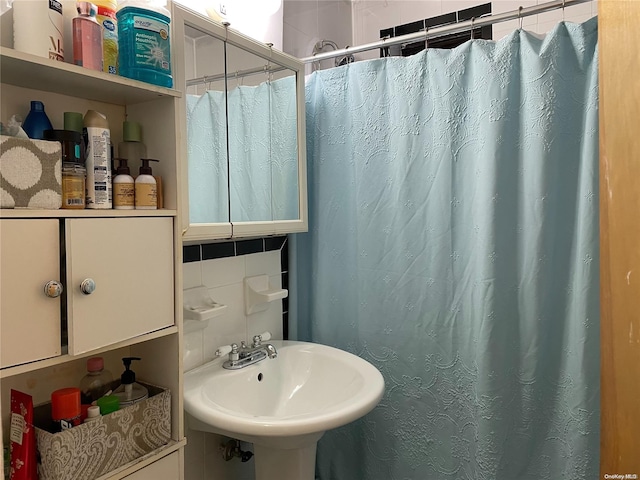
[(30, 173), (93, 449)]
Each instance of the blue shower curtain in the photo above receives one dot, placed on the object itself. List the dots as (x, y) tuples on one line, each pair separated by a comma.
[(453, 243)]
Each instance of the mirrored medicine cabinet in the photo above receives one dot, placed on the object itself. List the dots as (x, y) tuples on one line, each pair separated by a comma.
[(244, 131)]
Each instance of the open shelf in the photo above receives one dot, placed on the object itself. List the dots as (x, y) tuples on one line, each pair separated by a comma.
[(30, 71), (50, 362)]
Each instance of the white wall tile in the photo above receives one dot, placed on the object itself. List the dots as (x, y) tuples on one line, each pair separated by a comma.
[(580, 18), (369, 17), (191, 274), (222, 271), (271, 319), (552, 16), (193, 350), (229, 327), (266, 263), (410, 11), (334, 22)]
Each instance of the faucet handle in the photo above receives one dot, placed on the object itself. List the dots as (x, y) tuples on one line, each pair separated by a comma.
[(263, 337), (223, 350)]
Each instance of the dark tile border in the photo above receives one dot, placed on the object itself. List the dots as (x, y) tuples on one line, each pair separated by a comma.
[(247, 247), (191, 253), (445, 41), (212, 251)]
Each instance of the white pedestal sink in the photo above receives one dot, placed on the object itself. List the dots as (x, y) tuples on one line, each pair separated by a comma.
[(283, 405)]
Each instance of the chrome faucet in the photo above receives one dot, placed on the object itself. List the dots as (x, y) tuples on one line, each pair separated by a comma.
[(244, 355)]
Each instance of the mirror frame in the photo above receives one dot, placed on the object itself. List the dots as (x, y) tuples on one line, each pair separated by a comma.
[(210, 231)]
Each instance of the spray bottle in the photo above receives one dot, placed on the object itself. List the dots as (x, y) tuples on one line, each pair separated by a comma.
[(98, 162)]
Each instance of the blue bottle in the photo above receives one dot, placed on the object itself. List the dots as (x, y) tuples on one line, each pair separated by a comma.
[(37, 121), (143, 42)]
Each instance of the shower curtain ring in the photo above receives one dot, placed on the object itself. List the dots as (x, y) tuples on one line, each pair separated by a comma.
[(563, 4), (473, 19), (520, 15)]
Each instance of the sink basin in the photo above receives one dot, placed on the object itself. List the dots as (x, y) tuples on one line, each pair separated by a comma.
[(283, 405)]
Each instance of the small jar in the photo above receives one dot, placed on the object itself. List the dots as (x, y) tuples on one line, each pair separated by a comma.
[(73, 184)]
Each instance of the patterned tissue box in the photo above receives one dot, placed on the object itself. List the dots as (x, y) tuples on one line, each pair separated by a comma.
[(30, 173), (93, 449)]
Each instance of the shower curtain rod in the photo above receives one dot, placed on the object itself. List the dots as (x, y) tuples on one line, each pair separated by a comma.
[(447, 29), (237, 74)]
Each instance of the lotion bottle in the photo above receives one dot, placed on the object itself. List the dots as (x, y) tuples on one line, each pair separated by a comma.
[(146, 188), (123, 187)]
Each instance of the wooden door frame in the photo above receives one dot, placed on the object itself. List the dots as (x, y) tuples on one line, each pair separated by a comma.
[(619, 80)]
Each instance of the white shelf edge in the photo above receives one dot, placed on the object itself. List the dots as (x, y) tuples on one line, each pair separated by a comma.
[(29, 213), (50, 362), (148, 459), (63, 78)]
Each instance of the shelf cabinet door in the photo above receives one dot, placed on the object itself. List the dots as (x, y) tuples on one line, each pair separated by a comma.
[(129, 264), (29, 319)]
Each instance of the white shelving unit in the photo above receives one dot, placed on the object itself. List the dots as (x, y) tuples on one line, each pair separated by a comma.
[(142, 318)]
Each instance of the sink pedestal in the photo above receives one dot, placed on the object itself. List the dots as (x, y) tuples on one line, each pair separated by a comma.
[(278, 464)]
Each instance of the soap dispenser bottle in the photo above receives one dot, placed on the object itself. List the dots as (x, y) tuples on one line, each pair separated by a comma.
[(129, 391), (123, 187), (146, 188)]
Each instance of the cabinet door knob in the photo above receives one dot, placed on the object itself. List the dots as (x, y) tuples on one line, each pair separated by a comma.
[(53, 289), (87, 286)]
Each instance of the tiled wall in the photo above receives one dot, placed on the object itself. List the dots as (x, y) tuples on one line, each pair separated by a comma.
[(308, 21), (371, 16), (360, 21), (221, 267)]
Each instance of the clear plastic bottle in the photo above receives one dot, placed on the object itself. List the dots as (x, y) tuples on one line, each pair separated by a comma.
[(144, 46), (96, 382)]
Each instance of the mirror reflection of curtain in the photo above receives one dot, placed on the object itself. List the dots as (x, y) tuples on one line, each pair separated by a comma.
[(207, 158), (453, 242), (263, 155)]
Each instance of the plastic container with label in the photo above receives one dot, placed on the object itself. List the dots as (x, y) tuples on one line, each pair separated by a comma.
[(144, 46)]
